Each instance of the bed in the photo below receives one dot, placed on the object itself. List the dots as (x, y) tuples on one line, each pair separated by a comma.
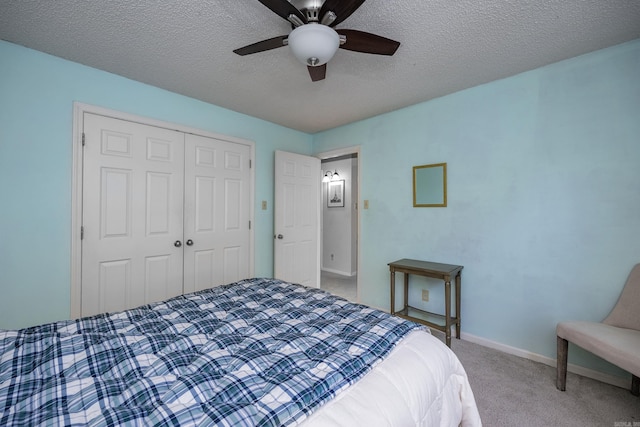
[(254, 352)]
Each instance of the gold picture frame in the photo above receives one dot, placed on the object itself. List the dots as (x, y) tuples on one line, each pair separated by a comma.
[(430, 186)]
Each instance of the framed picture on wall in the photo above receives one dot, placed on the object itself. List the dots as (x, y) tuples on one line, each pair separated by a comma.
[(335, 194)]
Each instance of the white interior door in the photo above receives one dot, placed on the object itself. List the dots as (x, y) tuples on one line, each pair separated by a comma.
[(217, 212), (132, 214), (297, 218)]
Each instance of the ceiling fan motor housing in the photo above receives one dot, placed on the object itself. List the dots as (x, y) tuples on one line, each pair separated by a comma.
[(310, 8)]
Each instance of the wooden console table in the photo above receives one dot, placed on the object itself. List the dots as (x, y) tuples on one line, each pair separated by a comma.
[(436, 271)]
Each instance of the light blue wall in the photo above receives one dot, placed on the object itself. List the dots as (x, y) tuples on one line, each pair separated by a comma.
[(543, 187), (543, 195), (37, 92)]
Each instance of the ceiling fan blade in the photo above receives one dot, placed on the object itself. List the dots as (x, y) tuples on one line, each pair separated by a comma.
[(317, 73), (342, 8), (283, 8), (359, 41), (269, 44)]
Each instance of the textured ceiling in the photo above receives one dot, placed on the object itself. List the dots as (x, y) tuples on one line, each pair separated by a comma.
[(186, 47)]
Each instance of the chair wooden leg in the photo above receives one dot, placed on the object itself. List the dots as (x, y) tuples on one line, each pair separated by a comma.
[(635, 385), (561, 371)]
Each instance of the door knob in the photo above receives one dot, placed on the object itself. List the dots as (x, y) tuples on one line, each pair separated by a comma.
[(177, 243), (189, 242), (280, 236)]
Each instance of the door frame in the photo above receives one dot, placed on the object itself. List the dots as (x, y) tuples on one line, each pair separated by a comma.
[(76, 186), (339, 152)]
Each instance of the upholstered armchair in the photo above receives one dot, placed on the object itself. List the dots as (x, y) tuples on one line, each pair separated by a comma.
[(616, 339)]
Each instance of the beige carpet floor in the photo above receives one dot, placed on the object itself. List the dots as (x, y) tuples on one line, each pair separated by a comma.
[(513, 391)]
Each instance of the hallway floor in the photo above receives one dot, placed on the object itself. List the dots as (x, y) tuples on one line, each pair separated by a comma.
[(343, 286)]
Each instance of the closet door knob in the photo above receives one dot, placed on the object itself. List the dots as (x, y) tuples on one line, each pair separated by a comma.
[(177, 243), (280, 236), (189, 242)]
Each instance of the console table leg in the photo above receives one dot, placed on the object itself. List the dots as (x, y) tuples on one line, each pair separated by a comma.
[(393, 292), (459, 323), (406, 291), (447, 301)]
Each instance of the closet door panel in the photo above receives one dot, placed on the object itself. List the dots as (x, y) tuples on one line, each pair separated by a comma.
[(205, 204), (217, 201), (133, 182)]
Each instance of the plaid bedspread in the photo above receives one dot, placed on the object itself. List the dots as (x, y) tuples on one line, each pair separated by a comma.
[(258, 352)]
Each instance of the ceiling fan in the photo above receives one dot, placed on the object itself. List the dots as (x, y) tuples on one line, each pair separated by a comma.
[(313, 39)]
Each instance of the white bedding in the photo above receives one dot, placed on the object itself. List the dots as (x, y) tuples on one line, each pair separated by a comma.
[(420, 383)]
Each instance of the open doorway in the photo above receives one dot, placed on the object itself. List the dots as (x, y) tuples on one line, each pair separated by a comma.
[(339, 234)]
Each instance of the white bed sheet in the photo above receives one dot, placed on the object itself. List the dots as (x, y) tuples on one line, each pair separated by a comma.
[(420, 383)]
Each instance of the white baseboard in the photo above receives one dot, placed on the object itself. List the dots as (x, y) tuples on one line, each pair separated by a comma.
[(339, 272), (585, 372), (576, 369)]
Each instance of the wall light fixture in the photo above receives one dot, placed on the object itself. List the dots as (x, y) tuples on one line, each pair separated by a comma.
[(329, 176)]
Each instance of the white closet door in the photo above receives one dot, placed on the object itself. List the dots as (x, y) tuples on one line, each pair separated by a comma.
[(133, 182), (217, 212)]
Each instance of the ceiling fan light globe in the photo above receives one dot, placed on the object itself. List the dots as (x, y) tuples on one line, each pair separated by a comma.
[(314, 44)]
